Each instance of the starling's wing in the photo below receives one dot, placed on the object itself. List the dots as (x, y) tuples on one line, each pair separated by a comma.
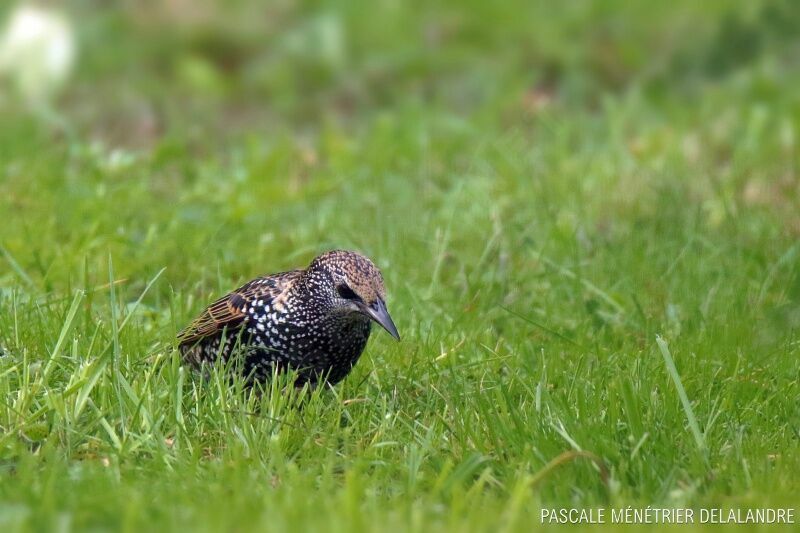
[(230, 310)]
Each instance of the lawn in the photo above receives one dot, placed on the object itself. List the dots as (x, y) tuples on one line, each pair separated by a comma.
[(587, 216)]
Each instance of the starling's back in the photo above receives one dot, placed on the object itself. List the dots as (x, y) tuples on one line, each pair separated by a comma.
[(309, 320)]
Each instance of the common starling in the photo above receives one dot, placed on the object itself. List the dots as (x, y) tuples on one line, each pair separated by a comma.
[(314, 321)]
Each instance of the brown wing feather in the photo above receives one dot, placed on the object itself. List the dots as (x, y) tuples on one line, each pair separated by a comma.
[(229, 311)]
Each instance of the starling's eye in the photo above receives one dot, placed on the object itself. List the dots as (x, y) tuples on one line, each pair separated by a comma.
[(347, 293)]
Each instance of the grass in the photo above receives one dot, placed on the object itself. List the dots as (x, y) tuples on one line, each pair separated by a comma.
[(592, 264)]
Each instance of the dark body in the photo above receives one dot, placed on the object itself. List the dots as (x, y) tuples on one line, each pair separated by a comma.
[(310, 321)]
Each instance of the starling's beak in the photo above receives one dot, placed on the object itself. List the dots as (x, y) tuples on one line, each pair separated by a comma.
[(379, 314)]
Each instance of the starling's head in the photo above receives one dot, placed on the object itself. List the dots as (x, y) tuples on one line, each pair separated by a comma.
[(352, 283)]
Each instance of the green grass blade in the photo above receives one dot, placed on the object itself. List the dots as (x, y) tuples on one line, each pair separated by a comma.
[(15, 266), (687, 406), (65, 329)]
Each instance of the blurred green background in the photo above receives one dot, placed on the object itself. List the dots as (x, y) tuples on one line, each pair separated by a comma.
[(146, 70), (206, 102)]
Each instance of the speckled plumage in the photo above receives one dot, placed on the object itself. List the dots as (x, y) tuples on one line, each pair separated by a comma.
[(316, 321)]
